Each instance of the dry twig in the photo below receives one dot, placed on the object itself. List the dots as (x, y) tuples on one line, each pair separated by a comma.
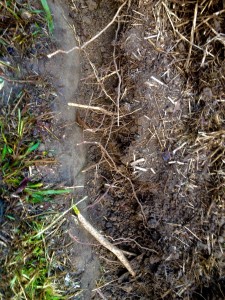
[(109, 113), (192, 35), (92, 39), (103, 241)]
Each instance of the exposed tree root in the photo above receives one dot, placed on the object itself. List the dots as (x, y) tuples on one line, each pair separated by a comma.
[(103, 241)]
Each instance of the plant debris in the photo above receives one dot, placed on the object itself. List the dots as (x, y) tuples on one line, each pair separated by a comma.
[(154, 126)]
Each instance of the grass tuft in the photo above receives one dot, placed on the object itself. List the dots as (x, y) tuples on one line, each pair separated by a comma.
[(27, 266), (48, 16)]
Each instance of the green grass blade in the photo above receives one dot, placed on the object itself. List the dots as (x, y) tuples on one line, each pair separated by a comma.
[(36, 11), (32, 147), (48, 15), (4, 44), (35, 185), (9, 149), (4, 152), (52, 192), (12, 12), (3, 136), (10, 217), (35, 196)]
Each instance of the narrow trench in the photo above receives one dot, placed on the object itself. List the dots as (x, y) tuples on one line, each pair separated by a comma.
[(64, 73)]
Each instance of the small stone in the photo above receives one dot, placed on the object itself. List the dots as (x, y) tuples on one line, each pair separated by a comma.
[(42, 147), (108, 225), (206, 94), (166, 156), (221, 239), (25, 15), (92, 5), (86, 20)]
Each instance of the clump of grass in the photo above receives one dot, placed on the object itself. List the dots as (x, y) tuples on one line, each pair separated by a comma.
[(27, 265), (28, 268), (48, 15), (18, 151), (21, 24)]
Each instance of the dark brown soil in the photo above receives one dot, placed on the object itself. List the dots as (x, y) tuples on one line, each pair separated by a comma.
[(157, 208)]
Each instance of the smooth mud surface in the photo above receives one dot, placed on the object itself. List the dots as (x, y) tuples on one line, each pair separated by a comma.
[(63, 71)]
